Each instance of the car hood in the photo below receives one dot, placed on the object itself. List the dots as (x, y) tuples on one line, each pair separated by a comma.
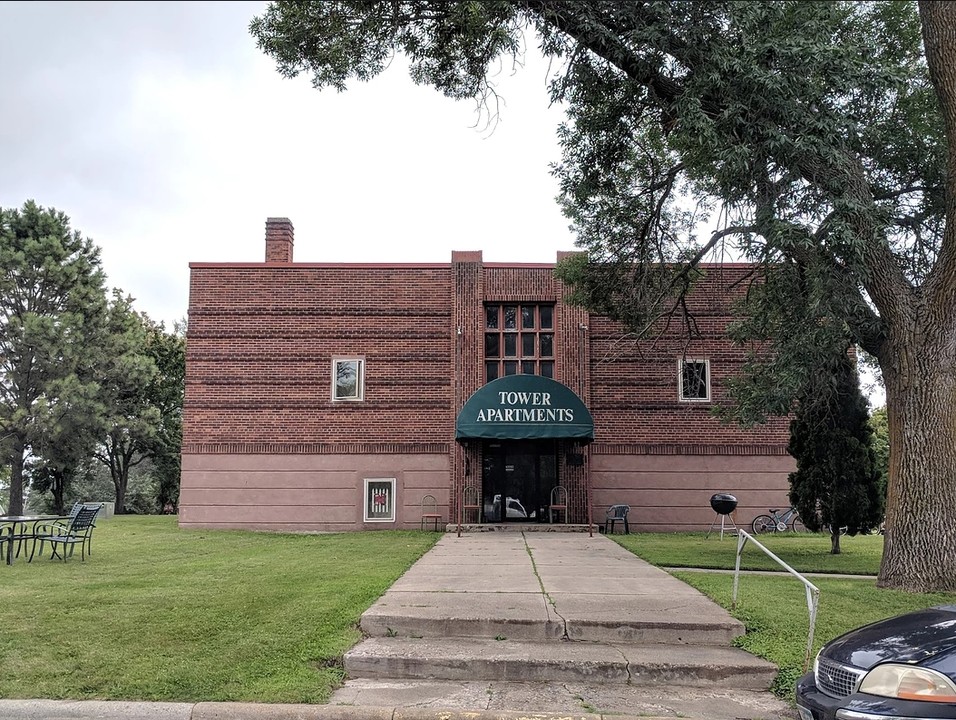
[(926, 637)]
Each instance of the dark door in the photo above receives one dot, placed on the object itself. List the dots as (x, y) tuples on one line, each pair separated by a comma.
[(517, 479)]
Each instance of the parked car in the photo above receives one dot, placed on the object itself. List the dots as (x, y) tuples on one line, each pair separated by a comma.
[(901, 667)]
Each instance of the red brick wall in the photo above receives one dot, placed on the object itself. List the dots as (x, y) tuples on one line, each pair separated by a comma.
[(634, 384), (261, 341), (258, 401)]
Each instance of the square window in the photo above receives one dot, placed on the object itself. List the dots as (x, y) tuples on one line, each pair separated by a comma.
[(547, 369), (527, 367), (491, 317), (491, 371), (379, 500), (694, 379), (492, 345), (348, 379), (527, 317), (527, 345)]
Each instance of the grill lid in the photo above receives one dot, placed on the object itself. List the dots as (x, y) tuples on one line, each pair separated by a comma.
[(723, 503)]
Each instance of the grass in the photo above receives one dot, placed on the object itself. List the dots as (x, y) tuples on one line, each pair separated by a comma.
[(774, 608), (163, 614), (806, 552), (774, 611)]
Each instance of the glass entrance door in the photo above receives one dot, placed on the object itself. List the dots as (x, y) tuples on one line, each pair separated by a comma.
[(517, 478)]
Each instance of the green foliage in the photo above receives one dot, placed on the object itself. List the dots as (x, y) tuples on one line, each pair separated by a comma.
[(806, 134), (83, 376), (165, 394), (52, 305), (881, 446), (450, 44), (836, 483)]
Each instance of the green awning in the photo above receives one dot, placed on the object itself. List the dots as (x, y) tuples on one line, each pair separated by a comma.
[(524, 407)]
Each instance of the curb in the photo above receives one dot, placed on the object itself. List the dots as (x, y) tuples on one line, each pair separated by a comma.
[(121, 710)]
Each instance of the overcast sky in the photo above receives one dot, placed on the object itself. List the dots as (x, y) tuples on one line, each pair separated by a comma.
[(168, 137)]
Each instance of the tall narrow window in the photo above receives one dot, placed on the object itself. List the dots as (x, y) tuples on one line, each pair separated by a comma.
[(379, 500), (519, 339), (694, 380), (348, 379)]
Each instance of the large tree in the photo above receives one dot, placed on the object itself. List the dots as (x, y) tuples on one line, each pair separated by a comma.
[(52, 301), (168, 351), (819, 134), (127, 375)]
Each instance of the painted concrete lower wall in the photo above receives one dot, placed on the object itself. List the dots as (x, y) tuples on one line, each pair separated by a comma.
[(325, 492), (671, 493), (306, 493)]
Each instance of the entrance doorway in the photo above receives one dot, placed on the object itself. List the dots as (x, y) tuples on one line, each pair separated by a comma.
[(517, 477)]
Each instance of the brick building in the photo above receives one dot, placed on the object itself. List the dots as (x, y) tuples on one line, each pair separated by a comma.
[(333, 397)]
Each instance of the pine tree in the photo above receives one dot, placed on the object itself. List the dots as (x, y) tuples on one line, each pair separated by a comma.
[(837, 483)]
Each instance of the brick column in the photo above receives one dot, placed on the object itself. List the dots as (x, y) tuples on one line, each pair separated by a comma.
[(573, 361), (467, 334)]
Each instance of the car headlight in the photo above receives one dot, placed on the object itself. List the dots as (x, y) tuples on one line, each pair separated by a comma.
[(908, 682)]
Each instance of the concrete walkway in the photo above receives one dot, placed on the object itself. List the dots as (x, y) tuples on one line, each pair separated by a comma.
[(509, 625), (553, 622)]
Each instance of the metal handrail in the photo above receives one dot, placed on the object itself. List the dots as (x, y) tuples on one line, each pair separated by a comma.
[(813, 592)]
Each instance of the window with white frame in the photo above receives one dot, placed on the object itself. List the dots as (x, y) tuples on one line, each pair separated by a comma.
[(379, 500), (348, 379), (694, 379)]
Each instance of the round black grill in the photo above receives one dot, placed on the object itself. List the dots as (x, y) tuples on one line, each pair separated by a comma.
[(723, 504)]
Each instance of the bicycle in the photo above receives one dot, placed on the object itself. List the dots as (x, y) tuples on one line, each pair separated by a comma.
[(774, 522)]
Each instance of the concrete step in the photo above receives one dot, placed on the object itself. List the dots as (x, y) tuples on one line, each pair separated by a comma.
[(651, 630), (496, 700), (529, 661), (520, 527), (680, 620)]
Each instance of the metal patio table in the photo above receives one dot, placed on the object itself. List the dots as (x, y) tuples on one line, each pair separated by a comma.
[(13, 521)]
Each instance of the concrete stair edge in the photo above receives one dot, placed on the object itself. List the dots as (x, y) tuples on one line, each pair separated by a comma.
[(639, 632), (476, 659)]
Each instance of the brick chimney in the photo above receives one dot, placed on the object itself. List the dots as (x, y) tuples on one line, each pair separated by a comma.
[(279, 239)]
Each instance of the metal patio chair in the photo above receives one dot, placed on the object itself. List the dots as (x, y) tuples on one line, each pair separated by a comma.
[(470, 501), (66, 534), (75, 509), (558, 503), (430, 511), (616, 513)]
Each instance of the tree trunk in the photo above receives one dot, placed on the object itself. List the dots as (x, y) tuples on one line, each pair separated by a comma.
[(120, 481), (58, 488), (835, 541), (919, 551), (16, 477)]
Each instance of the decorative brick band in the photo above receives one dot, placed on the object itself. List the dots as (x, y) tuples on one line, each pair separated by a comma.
[(684, 449), (316, 448)]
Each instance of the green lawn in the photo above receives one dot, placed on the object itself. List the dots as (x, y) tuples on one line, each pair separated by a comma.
[(163, 614), (774, 609), (806, 552)]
